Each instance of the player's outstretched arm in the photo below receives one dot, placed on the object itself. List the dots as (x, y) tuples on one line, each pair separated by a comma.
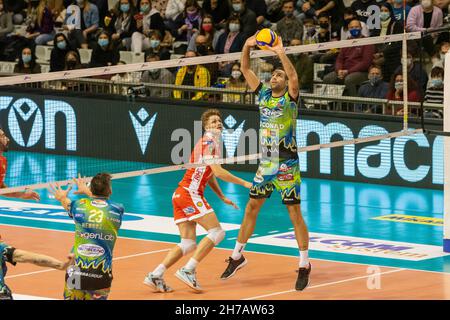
[(28, 194), (61, 195), (226, 176), (288, 68), (217, 190), (41, 260), (251, 78)]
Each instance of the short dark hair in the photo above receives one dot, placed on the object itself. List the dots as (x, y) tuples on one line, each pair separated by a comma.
[(437, 72), (208, 114), (287, 1), (281, 69), (101, 185)]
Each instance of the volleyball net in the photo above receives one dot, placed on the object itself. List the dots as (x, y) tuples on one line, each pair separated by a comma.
[(53, 141)]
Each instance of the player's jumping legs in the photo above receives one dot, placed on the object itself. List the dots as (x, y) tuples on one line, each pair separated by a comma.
[(186, 245), (237, 260), (216, 234), (302, 236)]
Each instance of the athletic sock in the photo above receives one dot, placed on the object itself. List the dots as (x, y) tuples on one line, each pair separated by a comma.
[(159, 271), (191, 264), (304, 261), (237, 252)]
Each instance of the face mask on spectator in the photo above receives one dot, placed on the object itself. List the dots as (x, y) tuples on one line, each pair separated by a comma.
[(237, 7), (26, 58), (145, 8), (234, 27), (207, 27), (324, 25), (236, 74), (374, 79), (355, 33), (154, 43), (289, 14), (436, 83), (427, 4), (398, 1), (124, 7), (399, 85), (61, 45), (385, 16), (202, 49), (265, 76), (71, 64), (103, 42)]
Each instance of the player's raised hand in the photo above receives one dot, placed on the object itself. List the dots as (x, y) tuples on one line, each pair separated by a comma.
[(58, 192), (31, 195), (229, 202), (278, 48), (251, 42), (81, 184)]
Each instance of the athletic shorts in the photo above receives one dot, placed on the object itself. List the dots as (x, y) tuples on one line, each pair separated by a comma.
[(283, 176), (188, 205), (73, 294)]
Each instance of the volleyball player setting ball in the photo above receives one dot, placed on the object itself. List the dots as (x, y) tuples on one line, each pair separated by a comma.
[(279, 166)]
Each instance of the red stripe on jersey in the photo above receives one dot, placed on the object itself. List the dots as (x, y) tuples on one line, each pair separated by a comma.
[(3, 167)]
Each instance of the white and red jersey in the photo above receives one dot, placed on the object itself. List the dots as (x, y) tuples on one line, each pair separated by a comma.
[(195, 179), (3, 167)]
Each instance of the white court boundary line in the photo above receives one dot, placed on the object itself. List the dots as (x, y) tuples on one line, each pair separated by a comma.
[(114, 259), (231, 160), (323, 284), (82, 73), (258, 252)]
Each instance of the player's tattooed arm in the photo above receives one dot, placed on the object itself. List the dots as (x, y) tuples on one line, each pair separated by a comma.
[(41, 260)]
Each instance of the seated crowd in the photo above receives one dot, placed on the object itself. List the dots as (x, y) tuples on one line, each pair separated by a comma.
[(190, 28)]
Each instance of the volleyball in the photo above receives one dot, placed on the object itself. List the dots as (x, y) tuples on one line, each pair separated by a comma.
[(266, 38)]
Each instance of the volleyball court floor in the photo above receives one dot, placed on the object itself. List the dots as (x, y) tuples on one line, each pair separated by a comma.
[(367, 242)]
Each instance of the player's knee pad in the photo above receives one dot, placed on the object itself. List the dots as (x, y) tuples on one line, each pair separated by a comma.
[(216, 235), (187, 245)]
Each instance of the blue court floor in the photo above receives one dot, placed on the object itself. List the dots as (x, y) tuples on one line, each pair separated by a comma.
[(343, 217)]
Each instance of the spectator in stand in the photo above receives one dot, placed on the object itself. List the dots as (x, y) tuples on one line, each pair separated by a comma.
[(40, 24), (235, 82), (349, 16), (27, 62), (156, 48), (310, 32), (204, 48), (147, 21), (260, 9), (82, 21), (219, 10), (192, 75), (246, 16), (289, 27), (415, 71), (120, 79), (187, 24), (159, 76), (59, 52), (435, 92), (104, 53), (208, 30), (6, 22), (313, 8), (361, 9), (396, 93), (304, 66), (233, 39), (102, 6), (439, 58), (352, 63), (72, 61), (123, 24), (388, 54), (423, 17), (57, 8), (174, 9), (397, 6), (375, 87)]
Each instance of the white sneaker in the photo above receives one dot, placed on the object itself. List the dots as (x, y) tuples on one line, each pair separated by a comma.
[(189, 278), (157, 283)]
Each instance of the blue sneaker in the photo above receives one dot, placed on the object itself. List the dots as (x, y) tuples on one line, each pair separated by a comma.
[(189, 278), (157, 283)]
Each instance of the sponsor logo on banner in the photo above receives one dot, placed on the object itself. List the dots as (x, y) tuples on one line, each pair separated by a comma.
[(356, 246), (412, 219), (90, 250), (143, 126)]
